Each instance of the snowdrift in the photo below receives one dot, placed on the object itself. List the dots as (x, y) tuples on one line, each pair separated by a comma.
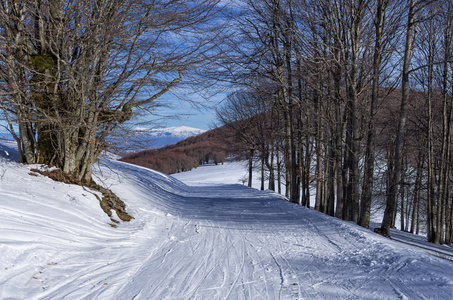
[(187, 242)]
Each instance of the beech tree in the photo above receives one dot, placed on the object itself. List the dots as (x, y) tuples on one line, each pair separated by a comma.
[(335, 66), (433, 75), (397, 157), (386, 20), (73, 71), (245, 113)]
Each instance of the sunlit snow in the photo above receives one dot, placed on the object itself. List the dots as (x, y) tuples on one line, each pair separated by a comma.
[(217, 241)]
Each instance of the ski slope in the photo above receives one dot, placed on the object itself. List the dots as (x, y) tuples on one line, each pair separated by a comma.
[(222, 241)]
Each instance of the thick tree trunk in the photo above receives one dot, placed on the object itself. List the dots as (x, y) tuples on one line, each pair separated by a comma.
[(358, 13), (367, 191), (27, 143), (401, 131)]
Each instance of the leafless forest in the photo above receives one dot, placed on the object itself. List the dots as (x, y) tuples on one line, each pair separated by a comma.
[(355, 97), (351, 96)]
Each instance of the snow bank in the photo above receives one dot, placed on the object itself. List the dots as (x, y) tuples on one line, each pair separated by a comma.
[(186, 242)]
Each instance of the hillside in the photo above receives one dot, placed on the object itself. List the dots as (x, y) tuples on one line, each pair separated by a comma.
[(211, 146), (141, 139), (162, 137), (192, 242)]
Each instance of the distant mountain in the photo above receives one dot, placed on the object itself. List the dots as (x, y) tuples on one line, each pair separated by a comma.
[(142, 139), (168, 136)]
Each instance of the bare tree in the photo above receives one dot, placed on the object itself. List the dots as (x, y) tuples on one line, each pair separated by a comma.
[(386, 21), (87, 66), (395, 172), (247, 114)]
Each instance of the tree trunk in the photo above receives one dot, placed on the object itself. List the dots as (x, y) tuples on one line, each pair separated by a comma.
[(279, 172), (271, 170), (401, 131), (251, 154), (262, 172), (358, 14), (368, 180), (330, 182), (339, 129), (319, 153), (417, 191), (307, 165), (402, 203)]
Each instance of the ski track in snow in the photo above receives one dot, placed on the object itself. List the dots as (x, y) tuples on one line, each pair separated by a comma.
[(197, 242)]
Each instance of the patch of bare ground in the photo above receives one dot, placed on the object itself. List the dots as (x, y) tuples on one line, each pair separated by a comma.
[(108, 202)]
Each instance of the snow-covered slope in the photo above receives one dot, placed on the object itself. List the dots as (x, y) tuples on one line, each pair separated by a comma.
[(142, 139), (167, 136), (179, 132), (192, 242)]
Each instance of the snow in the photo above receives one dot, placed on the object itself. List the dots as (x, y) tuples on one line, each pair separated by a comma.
[(141, 139), (162, 137), (182, 132), (232, 172), (204, 241)]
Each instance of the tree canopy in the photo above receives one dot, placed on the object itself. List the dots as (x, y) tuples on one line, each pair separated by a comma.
[(72, 71)]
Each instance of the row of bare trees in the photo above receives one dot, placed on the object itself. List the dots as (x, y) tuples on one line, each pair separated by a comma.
[(328, 90), (355, 97), (72, 72)]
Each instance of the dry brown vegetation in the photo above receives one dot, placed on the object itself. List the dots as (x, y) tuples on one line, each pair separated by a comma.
[(108, 202), (212, 146)]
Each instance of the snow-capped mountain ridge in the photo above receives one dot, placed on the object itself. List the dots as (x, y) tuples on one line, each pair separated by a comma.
[(162, 137), (180, 132)]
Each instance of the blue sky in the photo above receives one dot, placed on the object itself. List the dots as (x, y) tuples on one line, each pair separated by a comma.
[(180, 113), (186, 115), (180, 109)]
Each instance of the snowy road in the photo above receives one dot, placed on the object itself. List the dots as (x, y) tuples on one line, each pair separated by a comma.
[(210, 242), (232, 242)]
